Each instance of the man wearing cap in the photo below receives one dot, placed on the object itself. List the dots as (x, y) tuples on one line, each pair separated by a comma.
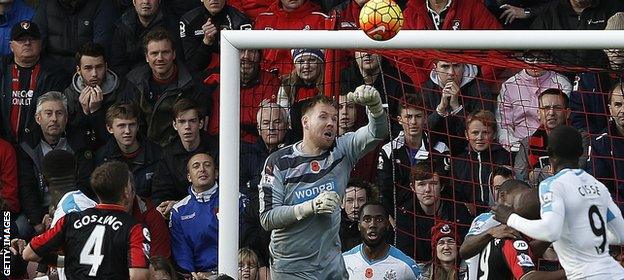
[(11, 13), (375, 258), (23, 78)]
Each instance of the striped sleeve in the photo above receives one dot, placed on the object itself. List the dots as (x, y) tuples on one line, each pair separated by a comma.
[(364, 139), (51, 240), (139, 247)]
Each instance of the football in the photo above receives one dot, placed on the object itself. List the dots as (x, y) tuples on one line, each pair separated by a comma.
[(381, 19)]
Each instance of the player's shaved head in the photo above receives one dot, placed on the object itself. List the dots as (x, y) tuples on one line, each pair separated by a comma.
[(526, 203), (565, 146), (513, 185)]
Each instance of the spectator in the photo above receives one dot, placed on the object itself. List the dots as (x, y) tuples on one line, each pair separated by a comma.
[(194, 224), (305, 81), (473, 167), (180, 7), (251, 8), (303, 202), (374, 70), (200, 32), (141, 155), (445, 262), (8, 178), (348, 115), (411, 146), (499, 175), (451, 94), (516, 14), (170, 182), (531, 162), (161, 269), (448, 14), (257, 85), (578, 15), (248, 265), (288, 15), (51, 115), (588, 101), (356, 195), (127, 45), (123, 241), (272, 127), (516, 115), (375, 258), (11, 13), (66, 25), (607, 150), (416, 217), (93, 90), (157, 86), (25, 76)]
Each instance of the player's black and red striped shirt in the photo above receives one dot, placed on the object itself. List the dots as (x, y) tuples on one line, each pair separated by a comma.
[(98, 243), (505, 259)]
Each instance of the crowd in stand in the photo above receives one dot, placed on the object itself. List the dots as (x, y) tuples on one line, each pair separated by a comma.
[(138, 82)]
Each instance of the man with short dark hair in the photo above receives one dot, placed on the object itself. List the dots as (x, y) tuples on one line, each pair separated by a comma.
[(146, 15), (94, 88), (170, 182), (104, 241), (375, 254), (157, 86), (576, 211), (23, 78), (531, 162)]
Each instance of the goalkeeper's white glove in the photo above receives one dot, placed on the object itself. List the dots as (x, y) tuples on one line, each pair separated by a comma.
[(325, 203), (369, 96)]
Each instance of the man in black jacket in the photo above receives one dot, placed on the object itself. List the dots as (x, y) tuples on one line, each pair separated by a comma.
[(94, 88), (24, 77), (199, 30), (51, 115), (170, 181), (127, 49), (157, 86), (139, 154)]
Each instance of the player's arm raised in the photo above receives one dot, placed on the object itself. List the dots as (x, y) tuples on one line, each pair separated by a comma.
[(377, 127)]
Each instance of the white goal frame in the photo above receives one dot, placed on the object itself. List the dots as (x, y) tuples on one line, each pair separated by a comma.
[(232, 41)]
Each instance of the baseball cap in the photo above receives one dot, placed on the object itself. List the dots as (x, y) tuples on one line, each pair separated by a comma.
[(25, 28)]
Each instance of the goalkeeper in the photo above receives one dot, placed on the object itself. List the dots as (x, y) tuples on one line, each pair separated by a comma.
[(303, 184)]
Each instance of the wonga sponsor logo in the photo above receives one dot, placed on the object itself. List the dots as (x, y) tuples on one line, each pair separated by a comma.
[(302, 195)]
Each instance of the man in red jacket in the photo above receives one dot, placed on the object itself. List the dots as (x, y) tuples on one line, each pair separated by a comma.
[(289, 15), (8, 178)]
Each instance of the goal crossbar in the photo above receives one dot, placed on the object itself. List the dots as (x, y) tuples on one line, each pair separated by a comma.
[(232, 41)]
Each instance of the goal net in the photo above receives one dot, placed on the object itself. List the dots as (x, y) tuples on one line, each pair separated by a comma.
[(463, 109)]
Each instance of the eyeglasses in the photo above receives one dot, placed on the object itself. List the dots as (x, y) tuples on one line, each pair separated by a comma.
[(552, 107)]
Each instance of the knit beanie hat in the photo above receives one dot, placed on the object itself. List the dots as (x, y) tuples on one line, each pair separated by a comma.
[(440, 230), (296, 53)]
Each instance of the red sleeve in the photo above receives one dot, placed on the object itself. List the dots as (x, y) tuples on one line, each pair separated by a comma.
[(518, 257), (51, 240), (160, 244), (139, 247), (8, 177)]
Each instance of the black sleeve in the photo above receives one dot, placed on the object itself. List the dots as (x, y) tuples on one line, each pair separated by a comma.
[(119, 59), (196, 53), (29, 194), (385, 182), (162, 183)]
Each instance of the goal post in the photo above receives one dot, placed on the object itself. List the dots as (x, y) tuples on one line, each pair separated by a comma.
[(232, 41)]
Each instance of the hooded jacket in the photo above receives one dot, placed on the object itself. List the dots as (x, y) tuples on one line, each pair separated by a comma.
[(306, 17), (474, 95), (518, 102), (127, 46), (94, 124)]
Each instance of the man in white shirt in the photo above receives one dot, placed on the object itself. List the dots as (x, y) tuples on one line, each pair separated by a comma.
[(375, 258), (576, 212)]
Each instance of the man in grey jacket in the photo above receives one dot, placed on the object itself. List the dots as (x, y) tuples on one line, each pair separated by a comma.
[(303, 184)]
